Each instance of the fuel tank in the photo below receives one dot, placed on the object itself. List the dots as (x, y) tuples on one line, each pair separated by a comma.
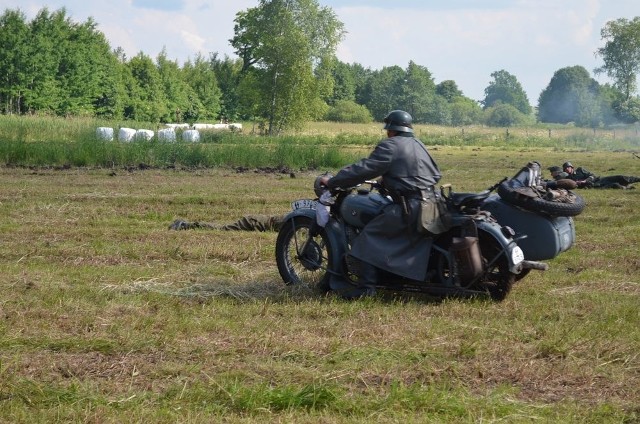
[(359, 208)]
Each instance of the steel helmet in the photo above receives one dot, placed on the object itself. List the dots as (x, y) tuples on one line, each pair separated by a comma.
[(398, 120), (566, 165)]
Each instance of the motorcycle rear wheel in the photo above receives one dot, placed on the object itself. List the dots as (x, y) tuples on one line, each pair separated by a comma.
[(301, 259), (497, 281)]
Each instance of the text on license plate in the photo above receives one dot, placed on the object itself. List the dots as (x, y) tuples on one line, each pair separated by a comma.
[(303, 204)]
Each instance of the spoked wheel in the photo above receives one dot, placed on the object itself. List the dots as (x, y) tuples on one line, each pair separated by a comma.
[(303, 259), (497, 280)]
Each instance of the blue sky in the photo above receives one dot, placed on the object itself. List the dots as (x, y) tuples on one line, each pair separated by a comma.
[(460, 40)]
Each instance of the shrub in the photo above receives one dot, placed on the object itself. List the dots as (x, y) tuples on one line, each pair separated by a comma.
[(349, 111)]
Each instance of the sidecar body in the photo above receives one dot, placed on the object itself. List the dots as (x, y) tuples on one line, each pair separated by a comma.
[(546, 236)]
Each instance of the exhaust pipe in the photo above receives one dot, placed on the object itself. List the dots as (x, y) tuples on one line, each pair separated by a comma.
[(540, 266)]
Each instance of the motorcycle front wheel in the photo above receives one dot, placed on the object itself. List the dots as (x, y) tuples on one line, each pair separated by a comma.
[(303, 258)]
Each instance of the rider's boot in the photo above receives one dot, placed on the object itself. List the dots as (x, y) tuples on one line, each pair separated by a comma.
[(363, 287), (367, 280)]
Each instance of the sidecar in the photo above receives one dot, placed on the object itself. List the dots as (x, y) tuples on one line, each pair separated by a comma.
[(546, 236)]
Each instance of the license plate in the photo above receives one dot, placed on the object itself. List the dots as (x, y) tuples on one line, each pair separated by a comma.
[(304, 204)]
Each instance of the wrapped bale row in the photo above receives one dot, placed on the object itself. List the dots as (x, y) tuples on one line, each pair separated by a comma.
[(129, 134)]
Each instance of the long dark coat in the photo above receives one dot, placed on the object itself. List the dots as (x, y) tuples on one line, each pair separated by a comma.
[(390, 241)]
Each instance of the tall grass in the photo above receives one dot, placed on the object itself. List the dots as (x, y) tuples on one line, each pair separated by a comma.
[(47, 141)]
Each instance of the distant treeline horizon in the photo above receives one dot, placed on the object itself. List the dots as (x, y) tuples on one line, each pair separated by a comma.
[(52, 65)]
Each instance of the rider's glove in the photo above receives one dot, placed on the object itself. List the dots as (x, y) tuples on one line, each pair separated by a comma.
[(323, 207)]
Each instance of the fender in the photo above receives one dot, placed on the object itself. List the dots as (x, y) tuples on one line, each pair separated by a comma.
[(514, 253), (334, 231), (494, 230)]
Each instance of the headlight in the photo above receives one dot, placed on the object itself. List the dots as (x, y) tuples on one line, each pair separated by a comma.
[(517, 255)]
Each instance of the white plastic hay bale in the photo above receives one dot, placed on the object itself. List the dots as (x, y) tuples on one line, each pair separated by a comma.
[(167, 134), (191, 135), (126, 134), (183, 126), (221, 126), (104, 133), (144, 135), (203, 126), (235, 126)]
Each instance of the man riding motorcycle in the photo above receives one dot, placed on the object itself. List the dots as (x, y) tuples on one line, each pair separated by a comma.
[(390, 241)]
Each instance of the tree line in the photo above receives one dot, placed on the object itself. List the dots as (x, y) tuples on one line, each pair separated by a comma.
[(285, 74)]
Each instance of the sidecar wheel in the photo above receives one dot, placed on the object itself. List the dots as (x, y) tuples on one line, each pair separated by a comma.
[(549, 207), (498, 280), (300, 265)]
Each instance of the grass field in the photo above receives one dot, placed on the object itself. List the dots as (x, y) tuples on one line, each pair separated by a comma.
[(107, 316)]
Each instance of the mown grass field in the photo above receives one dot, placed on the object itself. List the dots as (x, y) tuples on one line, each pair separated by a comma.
[(106, 316)]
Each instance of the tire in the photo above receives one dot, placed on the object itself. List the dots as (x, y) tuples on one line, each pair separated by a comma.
[(309, 267), (538, 204), (497, 280)]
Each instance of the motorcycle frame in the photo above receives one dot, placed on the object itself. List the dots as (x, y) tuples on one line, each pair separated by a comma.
[(336, 235)]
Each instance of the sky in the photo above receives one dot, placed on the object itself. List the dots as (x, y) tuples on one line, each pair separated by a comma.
[(460, 40)]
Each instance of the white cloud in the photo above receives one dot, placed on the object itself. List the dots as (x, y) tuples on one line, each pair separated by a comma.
[(463, 40), (195, 42), (530, 39)]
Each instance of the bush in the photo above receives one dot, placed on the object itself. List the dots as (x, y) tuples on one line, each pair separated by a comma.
[(348, 111), (504, 115)]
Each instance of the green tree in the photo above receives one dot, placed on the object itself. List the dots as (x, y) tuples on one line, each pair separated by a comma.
[(627, 111), (449, 90), (418, 95), (86, 69), (609, 97), (505, 88), (465, 111), (227, 72), (621, 54), (53, 65), (202, 79), (361, 76), (48, 41), (114, 97), (571, 96), (146, 99), (14, 38), (385, 91), (182, 101), (344, 83), (283, 44)]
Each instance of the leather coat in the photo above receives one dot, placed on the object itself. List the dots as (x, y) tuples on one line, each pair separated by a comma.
[(390, 241)]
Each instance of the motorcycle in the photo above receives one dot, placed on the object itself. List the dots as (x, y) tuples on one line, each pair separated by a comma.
[(493, 240)]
